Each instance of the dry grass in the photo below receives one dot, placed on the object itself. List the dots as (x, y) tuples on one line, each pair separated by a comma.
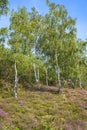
[(43, 109)]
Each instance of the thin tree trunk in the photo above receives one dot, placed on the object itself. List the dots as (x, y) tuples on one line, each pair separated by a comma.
[(16, 81), (46, 72), (46, 78), (58, 79), (58, 75), (36, 74), (80, 84)]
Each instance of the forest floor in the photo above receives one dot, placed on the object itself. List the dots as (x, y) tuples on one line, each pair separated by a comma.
[(43, 109)]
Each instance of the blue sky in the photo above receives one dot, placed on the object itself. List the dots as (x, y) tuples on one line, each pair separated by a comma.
[(76, 9)]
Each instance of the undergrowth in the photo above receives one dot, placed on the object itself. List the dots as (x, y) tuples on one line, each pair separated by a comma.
[(43, 109)]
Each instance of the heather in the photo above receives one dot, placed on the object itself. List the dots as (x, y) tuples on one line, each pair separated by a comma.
[(44, 109)]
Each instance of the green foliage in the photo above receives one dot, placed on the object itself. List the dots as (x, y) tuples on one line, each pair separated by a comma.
[(46, 42), (3, 7)]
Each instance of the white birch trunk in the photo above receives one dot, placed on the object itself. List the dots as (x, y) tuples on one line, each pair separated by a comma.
[(80, 84), (46, 72), (16, 81), (58, 75), (36, 74), (46, 78)]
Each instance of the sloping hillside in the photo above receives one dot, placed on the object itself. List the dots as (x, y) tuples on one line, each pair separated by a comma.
[(43, 109)]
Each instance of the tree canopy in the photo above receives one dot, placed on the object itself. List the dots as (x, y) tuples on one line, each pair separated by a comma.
[(44, 49), (3, 7)]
